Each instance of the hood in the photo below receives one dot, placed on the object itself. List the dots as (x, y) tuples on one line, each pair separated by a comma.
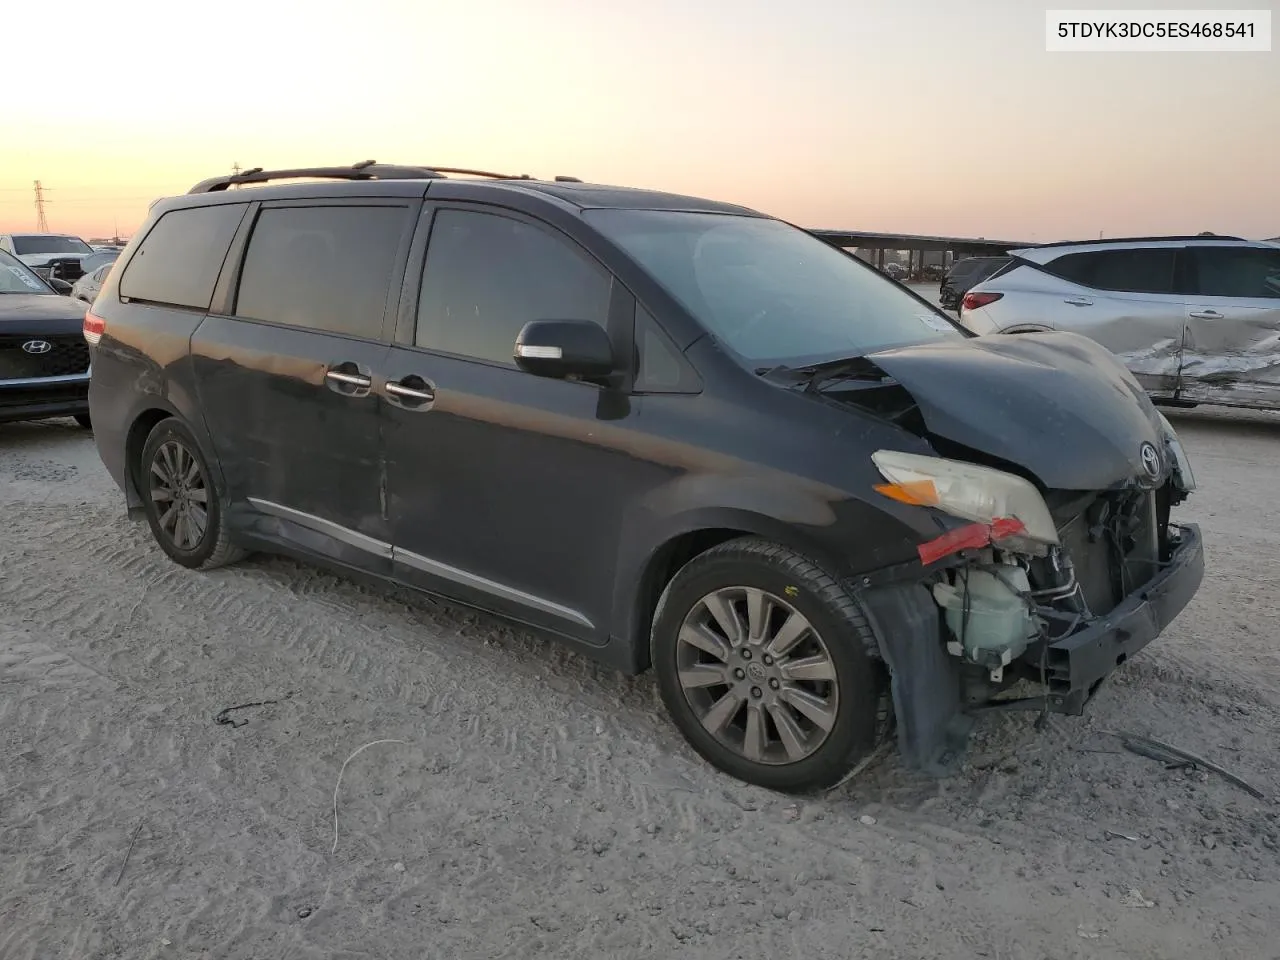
[(44, 259), (20, 307), (1056, 404)]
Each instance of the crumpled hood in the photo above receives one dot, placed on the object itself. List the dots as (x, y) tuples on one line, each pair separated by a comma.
[(1057, 404), (22, 307)]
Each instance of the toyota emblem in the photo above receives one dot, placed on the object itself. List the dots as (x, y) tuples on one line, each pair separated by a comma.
[(37, 346), (1150, 459)]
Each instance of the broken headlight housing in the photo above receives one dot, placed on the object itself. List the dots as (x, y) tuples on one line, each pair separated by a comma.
[(1181, 465), (968, 491)]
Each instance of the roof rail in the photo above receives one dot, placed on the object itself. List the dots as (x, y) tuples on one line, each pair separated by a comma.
[(366, 170), (482, 173), (1174, 239)]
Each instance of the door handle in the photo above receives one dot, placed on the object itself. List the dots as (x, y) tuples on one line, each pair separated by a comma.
[(1206, 314), (348, 379), (1079, 301), (410, 391)]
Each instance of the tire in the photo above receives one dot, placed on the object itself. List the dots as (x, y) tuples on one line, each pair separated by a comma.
[(172, 451), (700, 687), (84, 420)]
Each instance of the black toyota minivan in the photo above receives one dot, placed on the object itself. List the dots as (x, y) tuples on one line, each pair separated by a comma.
[(673, 432)]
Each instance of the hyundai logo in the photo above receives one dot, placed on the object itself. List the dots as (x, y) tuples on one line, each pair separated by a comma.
[(37, 346), (1150, 457)]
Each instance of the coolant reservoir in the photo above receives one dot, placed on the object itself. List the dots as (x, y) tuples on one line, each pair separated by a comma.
[(987, 614)]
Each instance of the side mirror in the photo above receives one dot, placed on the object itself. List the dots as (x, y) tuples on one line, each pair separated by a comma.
[(61, 286), (564, 348)]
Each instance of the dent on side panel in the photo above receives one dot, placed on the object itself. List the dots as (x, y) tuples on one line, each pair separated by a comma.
[(1149, 344), (142, 363), (1234, 359)]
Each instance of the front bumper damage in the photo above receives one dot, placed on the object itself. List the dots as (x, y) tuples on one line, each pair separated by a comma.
[(933, 690), (1077, 664)]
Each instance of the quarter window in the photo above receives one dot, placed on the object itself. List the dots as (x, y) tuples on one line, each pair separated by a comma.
[(326, 268), (1242, 272), (1147, 270), (660, 367), (179, 260), (487, 275)]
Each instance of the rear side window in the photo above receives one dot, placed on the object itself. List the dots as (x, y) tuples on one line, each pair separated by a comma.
[(326, 268), (965, 268), (487, 275), (1133, 271), (179, 261), (1243, 272)]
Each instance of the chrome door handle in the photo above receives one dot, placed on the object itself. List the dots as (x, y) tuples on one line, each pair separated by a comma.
[(350, 379), (1079, 301), (1206, 314), (409, 393)]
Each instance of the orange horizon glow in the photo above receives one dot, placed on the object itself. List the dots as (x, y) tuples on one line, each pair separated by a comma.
[(912, 117)]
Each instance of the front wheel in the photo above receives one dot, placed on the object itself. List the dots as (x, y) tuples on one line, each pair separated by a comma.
[(182, 505), (84, 420), (765, 664)]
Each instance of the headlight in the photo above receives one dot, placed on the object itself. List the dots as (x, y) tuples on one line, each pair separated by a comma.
[(965, 490), (1180, 462)]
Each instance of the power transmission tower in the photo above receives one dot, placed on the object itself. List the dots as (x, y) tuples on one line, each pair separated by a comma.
[(235, 168), (42, 222)]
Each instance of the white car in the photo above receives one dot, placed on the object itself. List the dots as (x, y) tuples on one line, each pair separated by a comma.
[(1196, 319), (51, 255)]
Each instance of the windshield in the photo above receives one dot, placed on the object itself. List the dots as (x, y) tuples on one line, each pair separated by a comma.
[(24, 246), (772, 293), (16, 277)]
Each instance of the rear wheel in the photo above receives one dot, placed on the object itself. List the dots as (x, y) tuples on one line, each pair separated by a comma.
[(182, 505), (763, 661)]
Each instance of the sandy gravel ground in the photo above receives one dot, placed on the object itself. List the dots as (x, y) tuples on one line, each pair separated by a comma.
[(543, 807)]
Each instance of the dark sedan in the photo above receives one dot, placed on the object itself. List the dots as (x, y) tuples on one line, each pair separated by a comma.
[(44, 360), (964, 274)]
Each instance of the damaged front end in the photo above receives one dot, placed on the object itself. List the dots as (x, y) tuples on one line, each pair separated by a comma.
[(1033, 601)]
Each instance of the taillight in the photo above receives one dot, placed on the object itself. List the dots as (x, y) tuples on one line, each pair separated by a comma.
[(972, 301), (94, 328)]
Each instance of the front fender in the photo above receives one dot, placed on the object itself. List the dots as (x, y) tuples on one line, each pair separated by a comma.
[(842, 534)]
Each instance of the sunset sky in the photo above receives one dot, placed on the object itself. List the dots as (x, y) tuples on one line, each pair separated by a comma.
[(924, 116)]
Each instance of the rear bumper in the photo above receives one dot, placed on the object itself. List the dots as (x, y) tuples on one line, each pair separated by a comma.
[(42, 397), (1077, 664)]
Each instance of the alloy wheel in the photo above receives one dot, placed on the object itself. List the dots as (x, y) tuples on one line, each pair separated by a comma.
[(180, 494), (757, 675)]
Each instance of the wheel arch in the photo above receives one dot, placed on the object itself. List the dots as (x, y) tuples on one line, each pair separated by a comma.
[(1027, 328), (678, 542), (144, 421)]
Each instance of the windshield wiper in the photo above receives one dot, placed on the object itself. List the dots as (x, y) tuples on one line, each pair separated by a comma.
[(813, 375)]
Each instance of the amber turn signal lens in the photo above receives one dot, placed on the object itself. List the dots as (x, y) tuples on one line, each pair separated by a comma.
[(918, 493)]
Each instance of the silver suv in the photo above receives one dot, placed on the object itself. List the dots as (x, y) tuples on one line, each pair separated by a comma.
[(1197, 319)]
